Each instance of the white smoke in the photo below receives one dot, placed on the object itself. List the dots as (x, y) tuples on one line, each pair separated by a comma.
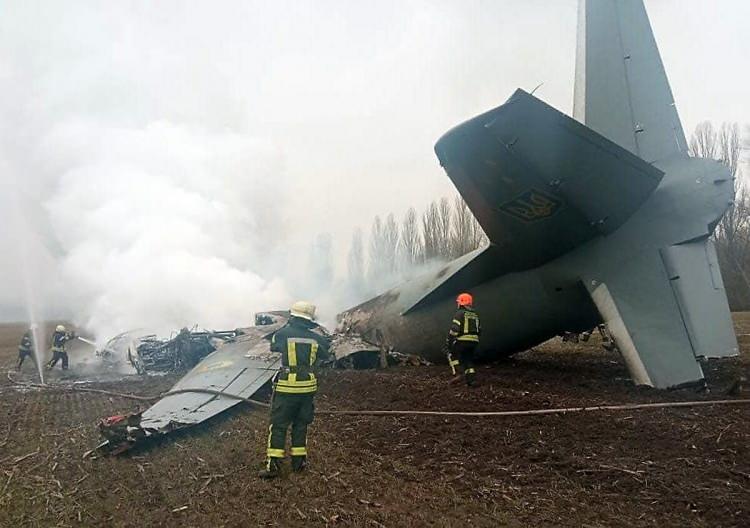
[(176, 161), (162, 225)]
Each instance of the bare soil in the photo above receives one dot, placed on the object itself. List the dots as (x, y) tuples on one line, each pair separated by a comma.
[(661, 467)]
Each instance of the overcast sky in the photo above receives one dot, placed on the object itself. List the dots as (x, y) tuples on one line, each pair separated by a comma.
[(321, 113)]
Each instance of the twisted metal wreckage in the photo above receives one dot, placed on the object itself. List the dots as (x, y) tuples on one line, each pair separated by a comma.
[(233, 366)]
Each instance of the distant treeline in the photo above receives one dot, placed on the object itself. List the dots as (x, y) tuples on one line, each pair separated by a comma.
[(444, 231)]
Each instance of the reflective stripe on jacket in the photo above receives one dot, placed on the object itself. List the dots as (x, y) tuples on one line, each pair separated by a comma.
[(464, 327), (300, 349)]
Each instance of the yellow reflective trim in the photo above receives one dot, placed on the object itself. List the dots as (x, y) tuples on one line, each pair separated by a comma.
[(292, 390), (467, 318), (313, 353), (468, 337), (469, 371), (299, 451), (294, 386), (454, 362), (297, 383), (291, 350), (303, 388), (268, 445), (275, 453), (457, 322)]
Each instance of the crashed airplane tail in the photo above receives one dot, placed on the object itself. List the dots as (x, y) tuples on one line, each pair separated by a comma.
[(606, 219)]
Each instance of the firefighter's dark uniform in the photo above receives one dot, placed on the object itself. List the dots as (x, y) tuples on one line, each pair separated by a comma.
[(294, 390), (58, 349), (26, 348), (463, 339)]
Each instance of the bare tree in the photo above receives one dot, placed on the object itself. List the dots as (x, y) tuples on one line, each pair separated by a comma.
[(461, 231), (477, 236), (410, 245), (704, 143), (431, 232), (356, 264), (375, 269), (443, 229), (390, 244), (466, 233), (729, 154), (732, 235)]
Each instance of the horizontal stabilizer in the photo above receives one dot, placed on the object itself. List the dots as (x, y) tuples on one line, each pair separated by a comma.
[(462, 274), (539, 182), (640, 308)]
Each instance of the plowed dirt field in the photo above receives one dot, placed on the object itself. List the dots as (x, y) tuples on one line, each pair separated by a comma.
[(660, 467)]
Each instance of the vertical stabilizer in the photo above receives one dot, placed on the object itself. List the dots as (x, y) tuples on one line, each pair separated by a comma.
[(621, 88)]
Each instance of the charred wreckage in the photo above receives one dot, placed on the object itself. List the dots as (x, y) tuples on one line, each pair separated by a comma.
[(225, 368)]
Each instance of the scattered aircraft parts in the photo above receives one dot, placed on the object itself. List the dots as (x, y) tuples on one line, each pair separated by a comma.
[(241, 367)]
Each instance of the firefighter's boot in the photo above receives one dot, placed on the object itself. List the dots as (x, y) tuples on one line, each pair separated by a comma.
[(471, 377), (271, 470), (299, 463)]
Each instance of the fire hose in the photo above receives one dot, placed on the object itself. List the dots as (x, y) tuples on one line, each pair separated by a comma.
[(333, 412)]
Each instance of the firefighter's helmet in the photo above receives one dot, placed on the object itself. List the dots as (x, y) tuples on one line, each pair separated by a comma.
[(464, 299), (303, 309), (59, 328)]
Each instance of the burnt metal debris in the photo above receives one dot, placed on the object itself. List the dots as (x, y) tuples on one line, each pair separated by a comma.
[(180, 353), (242, 367)]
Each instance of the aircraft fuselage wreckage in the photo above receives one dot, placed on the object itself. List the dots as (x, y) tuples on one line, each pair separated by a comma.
[(604, 217)]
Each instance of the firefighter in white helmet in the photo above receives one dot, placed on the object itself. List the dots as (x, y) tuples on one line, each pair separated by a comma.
[(59, 338), (294, 391)]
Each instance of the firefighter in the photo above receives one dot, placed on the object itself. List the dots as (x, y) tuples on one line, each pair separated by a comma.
[(26, 348), (463, 338), (295, 387), (59, 338)]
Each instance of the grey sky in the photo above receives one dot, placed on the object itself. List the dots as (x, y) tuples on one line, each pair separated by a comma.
[(343, 99)]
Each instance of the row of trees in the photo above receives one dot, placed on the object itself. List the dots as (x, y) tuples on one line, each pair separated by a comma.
[(444, 231), (732, 235)]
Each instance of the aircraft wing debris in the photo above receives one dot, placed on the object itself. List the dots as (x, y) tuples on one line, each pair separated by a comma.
[(240, 368)]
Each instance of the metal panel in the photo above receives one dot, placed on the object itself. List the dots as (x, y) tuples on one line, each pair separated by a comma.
[(652, 325), (539, 182), (238, 368), (694, 274), (621, 88)]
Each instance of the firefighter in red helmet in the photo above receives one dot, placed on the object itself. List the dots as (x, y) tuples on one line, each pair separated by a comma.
[(463, 339)]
